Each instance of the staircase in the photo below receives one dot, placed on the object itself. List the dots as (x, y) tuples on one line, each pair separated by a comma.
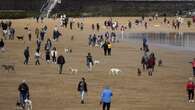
[(48, 6)]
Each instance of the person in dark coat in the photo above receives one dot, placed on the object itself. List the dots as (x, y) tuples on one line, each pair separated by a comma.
[(2, 44), (150, 65), (42, 34), (89, 61), (144, 61), (105, 46), (47, 56), (56, 35), (82, 88), (23, 92), (98, 26), (26, 55), (60, 62)]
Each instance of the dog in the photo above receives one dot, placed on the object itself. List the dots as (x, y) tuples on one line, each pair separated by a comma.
[(8, 67), (72, 38), (139, 72), (160, 62), (96, 62), (73, 70), (68, 50), (18, 106), (114, 71), (97, 45), (20, 37), (25, 28), (28, 104)]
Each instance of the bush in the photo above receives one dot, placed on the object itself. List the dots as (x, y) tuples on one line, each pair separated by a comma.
[(17, 14)]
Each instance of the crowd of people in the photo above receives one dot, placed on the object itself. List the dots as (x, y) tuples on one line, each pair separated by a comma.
[(104, 41), (7, 29)]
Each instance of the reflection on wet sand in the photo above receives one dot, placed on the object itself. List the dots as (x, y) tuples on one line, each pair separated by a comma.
[(178, 40)]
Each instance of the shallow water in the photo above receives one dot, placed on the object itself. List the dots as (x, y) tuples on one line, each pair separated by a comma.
[(184, 41)]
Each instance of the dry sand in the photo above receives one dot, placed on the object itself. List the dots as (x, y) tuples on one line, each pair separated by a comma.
[(165, 90)]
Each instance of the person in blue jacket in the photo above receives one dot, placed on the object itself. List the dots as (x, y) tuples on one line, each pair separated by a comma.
[(106, 98)]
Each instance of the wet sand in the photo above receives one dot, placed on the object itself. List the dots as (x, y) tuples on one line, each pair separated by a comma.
[(165, 90)]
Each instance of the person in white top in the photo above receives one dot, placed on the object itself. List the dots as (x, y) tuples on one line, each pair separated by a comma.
[(29, 35), (54, 55), (37, 57)]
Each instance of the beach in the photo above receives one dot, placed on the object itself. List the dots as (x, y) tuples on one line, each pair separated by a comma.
[(165, 90)]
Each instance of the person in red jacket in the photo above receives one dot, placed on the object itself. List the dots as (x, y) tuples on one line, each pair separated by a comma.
[(193, 67), (151, 64), (190, 90)]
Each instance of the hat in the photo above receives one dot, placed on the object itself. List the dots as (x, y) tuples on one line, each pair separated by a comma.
[(190, 79), (106, 87), (23, 81)]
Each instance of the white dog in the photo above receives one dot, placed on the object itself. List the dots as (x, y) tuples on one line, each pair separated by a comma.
[(114, 71), (28, 104), (96, 62), (67, 50), (73, 70)]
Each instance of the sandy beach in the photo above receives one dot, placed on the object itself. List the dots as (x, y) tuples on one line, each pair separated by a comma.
[(165, 90)]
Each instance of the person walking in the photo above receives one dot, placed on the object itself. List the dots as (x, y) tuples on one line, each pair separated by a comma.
[(47, 56), (37, 57), (98, 26), (54, 54), (144, 61), (29, 35), (2, 45), (109, 48), (37, 32), (150, 65), (105, 46), (82, 88), (106, 97), (26, 55), (193, 67), (23, 92), (48, 44), (42, 34), (153, 59), (89, 61), (190, 86), (60, 62)]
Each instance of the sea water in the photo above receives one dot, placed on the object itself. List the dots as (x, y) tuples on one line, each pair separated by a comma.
[(174, 40)]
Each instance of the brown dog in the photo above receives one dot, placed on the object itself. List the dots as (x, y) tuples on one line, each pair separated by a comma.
[(139, 72), (72, 38), (160, 62)]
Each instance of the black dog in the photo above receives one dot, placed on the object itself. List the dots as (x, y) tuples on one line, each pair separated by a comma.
[(20, 37), (25, 28), (8, 67)]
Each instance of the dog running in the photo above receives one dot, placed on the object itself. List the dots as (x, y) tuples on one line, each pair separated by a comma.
[(8, 67)]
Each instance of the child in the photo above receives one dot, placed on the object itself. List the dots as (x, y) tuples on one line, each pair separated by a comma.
[(190, 90)]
